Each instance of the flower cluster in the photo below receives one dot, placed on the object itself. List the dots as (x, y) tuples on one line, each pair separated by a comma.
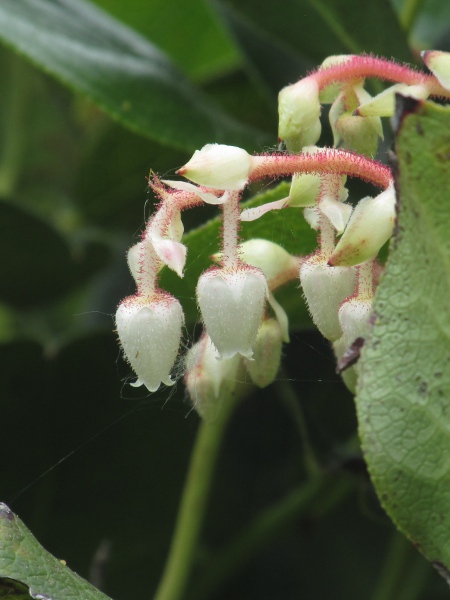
[(244, 325)]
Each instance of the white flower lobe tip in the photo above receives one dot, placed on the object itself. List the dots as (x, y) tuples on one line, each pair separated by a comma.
[(439, 64), (336, 212), (370, 226), (185, 186), (172, 254), (219, 167), (149, 331), (251, 214), (232, 304), (383, 104)]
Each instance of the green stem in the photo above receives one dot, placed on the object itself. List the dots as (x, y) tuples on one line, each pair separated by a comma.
[(182, 552), (291, 402), (395, 570), (264, 528), (409, 13)]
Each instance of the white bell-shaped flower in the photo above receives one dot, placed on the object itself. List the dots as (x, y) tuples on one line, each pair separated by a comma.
[(325, 288), (149, 331), (219, 167), (232, 304), (210, 381)]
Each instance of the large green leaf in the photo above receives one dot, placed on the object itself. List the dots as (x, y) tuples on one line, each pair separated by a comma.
[(186, 30), (119, 70), (22, 558), (403, 398)]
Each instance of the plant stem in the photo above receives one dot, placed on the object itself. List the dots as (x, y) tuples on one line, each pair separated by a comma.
[(399, 554), (193, 505), (231, 224), (330, 161), (264, 528)]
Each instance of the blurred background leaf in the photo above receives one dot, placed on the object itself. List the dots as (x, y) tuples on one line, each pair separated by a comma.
[(119, 70)]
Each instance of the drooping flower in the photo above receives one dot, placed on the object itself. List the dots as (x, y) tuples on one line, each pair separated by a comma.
[(149, 330), (210, 381), (232, 304), (325, 288)]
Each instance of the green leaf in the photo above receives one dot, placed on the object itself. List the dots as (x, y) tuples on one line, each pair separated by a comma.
[(186, 30), (38, 265), (22, 558), (122, 72), (404, 388), (286, 227)]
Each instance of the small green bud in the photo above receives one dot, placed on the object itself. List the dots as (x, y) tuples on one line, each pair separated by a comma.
[(299, 114), (266, 354)]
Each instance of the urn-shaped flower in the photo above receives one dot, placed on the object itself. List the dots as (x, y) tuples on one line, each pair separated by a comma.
[(232, 304), (149, 330)]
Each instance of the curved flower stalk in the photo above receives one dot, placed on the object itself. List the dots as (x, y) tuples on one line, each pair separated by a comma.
[(149, 324), (340, 81)]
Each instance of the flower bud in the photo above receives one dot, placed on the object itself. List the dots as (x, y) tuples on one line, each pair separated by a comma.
[(299, 114), (324, 288), (149, 331), (219, 167), (370, 226), (439, 64), (383, 104), (305, 190), (266, 353), (232, 304), (354, 132), (271, 258), (210, 381)]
